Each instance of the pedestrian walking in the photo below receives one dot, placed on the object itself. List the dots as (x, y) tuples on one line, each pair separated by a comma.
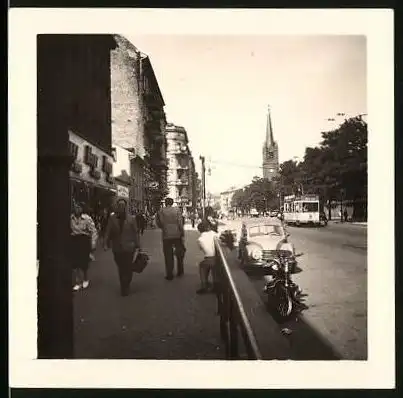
[(170, 220), (242, 240), (207, 246), (141, 222), (193, 219), (83, 243), (345, 215), (123, 236), (104, 222)]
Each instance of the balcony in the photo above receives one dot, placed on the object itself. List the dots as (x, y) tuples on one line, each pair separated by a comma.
[(157, 153), (151, 101), (156, 114), (179, 151), (158, 137), (159, 163), (152, 125)]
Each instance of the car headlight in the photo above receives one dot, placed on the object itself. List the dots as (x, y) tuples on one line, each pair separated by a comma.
[(256, 254)]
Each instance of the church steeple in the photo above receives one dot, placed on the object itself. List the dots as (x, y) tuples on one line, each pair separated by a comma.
[(270, 151), (269, 130)]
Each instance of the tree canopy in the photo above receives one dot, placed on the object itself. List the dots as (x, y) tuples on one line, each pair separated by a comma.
[(260, 194), (335, 169)]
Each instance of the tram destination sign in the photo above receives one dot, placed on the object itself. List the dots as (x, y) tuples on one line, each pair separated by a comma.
[(309, 198), (302, 198)]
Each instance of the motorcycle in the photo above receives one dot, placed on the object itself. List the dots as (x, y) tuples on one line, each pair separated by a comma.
[(323, 219), (281, 290)]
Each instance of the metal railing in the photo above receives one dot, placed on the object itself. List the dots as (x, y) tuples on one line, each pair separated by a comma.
[(233, 319)]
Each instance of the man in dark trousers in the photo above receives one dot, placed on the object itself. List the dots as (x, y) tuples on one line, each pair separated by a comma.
[(170, 220), (193, 218), (123, 234), (141, 222)]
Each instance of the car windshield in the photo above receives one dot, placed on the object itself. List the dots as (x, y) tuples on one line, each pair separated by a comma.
[(257, 230)]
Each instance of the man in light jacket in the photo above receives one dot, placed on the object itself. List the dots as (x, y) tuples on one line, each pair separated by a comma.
[(123, 235), (170, 220)]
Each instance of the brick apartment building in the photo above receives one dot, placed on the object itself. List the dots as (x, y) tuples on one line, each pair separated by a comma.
[(138, 122)]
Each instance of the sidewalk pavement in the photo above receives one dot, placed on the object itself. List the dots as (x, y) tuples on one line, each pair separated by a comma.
[(361, 224), (159, 320)]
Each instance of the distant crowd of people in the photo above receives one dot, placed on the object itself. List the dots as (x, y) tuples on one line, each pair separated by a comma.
[(120, 231)]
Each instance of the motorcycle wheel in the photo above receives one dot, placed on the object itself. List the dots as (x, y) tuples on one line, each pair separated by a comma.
[(284, 301)]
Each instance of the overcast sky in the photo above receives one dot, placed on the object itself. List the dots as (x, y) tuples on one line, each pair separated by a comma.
[(218, 88)]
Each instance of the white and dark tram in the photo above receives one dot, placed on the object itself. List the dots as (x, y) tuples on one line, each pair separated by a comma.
[(302, 210)]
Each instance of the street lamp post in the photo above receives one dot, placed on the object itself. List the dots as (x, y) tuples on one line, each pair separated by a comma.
[(203, 186)]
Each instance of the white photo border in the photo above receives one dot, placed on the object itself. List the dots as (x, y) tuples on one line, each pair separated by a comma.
[(26, 371)]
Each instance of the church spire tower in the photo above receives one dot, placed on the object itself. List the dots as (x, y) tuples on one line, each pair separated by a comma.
[(270, 151)]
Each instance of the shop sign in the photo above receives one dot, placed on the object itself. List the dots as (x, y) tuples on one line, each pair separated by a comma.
[(122, 191)]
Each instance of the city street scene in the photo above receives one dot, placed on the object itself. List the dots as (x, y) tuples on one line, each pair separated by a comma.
[(202, 197)]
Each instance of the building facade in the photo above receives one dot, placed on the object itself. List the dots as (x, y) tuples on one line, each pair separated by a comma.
[(138, 123), (121, 173), (155, 180), (88, 118), (91, 175), (193, 184), (226, 199), (182, 180), (270, 152)]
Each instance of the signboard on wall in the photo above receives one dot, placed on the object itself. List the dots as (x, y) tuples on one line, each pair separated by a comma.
[(122, 191)]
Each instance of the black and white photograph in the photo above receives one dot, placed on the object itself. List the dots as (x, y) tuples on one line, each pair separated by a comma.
[(204, 197)]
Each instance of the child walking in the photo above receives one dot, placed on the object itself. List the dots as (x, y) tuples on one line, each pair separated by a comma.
[(206, 244)]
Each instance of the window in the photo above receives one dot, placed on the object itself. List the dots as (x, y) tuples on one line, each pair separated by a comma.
[(309, 207), (73, 148)]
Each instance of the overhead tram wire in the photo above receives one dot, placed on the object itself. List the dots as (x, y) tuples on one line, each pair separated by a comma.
[(235, 164)]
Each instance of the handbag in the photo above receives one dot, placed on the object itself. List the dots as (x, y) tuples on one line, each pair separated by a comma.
[(140, 262)]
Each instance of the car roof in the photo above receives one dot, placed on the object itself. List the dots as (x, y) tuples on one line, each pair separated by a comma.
[(266, 221)]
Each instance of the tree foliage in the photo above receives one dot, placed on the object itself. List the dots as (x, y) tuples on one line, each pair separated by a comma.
[(335, 169), (260, 194)]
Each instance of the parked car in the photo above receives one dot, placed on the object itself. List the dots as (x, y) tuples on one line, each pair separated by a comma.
[(261, 241), (254, 213)]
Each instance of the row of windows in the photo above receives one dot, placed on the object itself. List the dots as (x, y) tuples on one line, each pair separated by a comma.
[(301, 207)]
